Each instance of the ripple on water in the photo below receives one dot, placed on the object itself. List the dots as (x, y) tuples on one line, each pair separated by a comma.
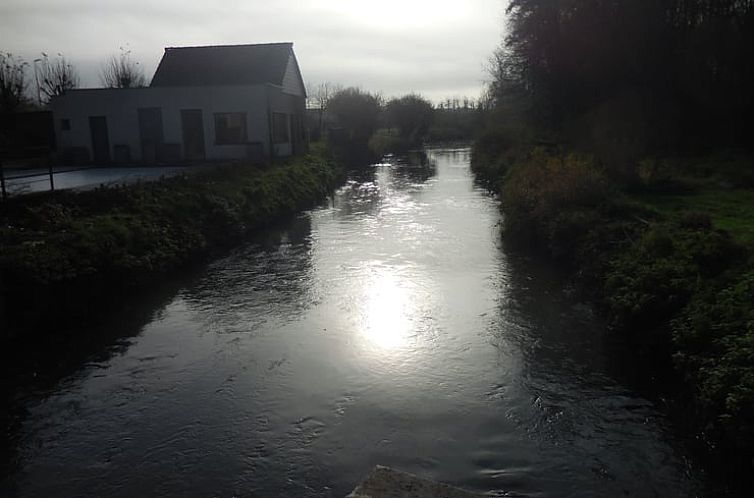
[(389, 327)]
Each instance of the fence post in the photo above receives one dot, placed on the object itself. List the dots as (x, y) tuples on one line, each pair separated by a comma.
[(52, 182), (2, 181)]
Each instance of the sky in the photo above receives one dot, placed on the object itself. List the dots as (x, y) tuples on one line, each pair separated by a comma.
[(436, 48)]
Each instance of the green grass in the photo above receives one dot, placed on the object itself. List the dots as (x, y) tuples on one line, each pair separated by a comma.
[(729, 209), (670, 264)]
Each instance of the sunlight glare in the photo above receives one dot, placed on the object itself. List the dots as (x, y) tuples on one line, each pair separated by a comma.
[(386, 320)]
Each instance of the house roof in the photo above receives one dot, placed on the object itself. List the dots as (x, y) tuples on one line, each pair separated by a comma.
[(223, 65)]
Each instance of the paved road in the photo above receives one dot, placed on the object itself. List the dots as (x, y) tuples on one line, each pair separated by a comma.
[(38, 180)]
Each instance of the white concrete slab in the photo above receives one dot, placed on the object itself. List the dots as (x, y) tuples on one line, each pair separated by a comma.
[(385, 482)]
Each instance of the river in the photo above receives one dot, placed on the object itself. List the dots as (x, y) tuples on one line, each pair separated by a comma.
[(388, 327)]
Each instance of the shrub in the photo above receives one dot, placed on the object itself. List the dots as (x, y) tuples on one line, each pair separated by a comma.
[(385, 141), (654, 279), (126, 234), (539, 189), (714, 337), (356, 112)]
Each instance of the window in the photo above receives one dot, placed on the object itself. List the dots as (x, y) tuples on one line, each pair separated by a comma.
[(280, 128), (65, 124), (230, 128)]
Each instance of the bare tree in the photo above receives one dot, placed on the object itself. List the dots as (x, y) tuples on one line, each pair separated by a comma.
[(322, 94), (12, 81), (56, 76), (320, 98), (119, 71)]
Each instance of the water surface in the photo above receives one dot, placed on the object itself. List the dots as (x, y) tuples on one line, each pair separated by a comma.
[(389, 327)]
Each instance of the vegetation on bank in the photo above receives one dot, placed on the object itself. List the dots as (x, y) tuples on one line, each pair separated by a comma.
[(128, 234), (672, 268), (602, 111)]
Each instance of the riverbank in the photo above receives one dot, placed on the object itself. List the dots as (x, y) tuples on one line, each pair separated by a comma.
[(669, 260), (378, 321), (126, 236)]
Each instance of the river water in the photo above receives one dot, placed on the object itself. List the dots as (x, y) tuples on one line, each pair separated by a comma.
[(388, 327)]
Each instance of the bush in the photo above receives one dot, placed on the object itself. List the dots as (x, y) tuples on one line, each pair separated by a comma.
[(714, 337), (356, 112), (385, 141), (127, 234), (412, 116), (649, 283), (494, 152), (545, 185)]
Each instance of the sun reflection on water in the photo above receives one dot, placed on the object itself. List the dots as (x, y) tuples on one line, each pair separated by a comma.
[(387, 321)]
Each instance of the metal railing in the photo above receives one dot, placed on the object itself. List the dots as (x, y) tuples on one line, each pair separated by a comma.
[(4, 179)]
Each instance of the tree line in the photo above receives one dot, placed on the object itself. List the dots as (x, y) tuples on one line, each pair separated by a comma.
[(606, 113), (632, 77), (366, 119), (28, 85)]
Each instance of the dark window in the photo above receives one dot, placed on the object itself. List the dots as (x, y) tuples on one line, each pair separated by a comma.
[(230, 128), (65, 124), (296, 127), (280, 128)]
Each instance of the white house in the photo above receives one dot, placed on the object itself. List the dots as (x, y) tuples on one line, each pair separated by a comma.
[(204, 103)]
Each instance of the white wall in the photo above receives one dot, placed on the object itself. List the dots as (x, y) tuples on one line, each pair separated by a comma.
[(292, 83), (119, 106)]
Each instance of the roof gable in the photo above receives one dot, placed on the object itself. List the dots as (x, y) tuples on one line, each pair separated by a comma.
[(223, 65), (293, 83)]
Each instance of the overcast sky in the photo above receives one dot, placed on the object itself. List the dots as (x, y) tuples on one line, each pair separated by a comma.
[(433, 47)]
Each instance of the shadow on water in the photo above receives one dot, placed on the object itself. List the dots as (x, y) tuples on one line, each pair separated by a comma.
[(645, 371), (271, 271), (579, 391), (87, 328), (46, 349)]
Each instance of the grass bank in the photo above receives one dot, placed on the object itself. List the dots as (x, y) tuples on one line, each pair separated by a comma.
[(130, 235), (669, 260)]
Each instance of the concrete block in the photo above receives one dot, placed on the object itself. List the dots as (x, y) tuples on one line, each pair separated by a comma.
[(385, 482)]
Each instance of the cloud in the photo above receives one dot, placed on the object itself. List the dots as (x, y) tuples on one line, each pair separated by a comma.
[(434, 47)]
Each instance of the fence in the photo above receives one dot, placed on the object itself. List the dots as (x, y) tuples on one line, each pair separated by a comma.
[(4, 179)]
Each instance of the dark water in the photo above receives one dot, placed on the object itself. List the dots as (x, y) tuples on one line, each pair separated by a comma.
[(387, 328)]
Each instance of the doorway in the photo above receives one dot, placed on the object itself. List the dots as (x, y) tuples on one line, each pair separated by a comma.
[(100, 139), (192, 124), (150, 133)]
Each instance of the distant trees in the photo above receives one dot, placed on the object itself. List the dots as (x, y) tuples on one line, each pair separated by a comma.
[(12, 82), (56, 76), (647, 75), (455, 103), (411, 115), (119, 71)]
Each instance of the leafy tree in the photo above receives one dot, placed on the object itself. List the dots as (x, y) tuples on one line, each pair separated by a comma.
[(411, 115), (56, 76), (12, 82), (357, 113), (122, 72), (654, 74)]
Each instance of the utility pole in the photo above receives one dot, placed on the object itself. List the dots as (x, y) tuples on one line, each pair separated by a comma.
[(2, 182)]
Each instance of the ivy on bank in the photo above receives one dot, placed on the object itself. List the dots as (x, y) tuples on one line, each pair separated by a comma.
[(127, 234)]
